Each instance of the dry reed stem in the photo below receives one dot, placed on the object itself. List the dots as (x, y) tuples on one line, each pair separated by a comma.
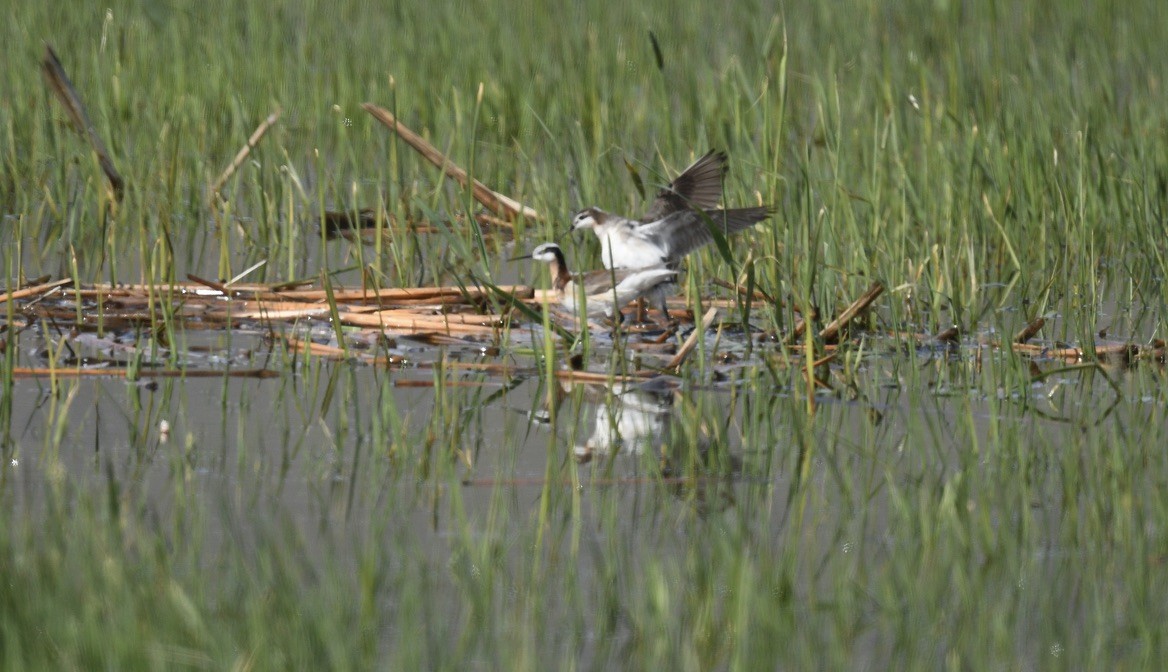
[(492, 200), (414, 382), (198, 290), (59, 81), (1029, 330), (950, 335), (405, 293), (691, 342), (64, 372), (1073, 354), (415, 324), (241, 156), (33, 291), (603, 377), (307, 347), (268, 313), (831, 331)]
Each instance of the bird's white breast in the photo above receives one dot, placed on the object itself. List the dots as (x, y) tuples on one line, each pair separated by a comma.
[(622, 246)]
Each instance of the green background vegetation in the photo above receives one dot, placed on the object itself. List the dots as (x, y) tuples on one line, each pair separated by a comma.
[(989, 162)]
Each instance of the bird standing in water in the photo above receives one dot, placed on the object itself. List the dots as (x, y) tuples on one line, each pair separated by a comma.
[(604, 292)]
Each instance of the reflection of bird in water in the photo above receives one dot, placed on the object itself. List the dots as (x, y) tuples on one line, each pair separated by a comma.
[(633, 420), (641, 419)]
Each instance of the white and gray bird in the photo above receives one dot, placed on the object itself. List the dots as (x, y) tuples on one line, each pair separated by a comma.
[(676, 223), (604, 292)]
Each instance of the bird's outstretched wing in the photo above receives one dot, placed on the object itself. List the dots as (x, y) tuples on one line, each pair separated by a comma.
[(685, 231), (698, 186)]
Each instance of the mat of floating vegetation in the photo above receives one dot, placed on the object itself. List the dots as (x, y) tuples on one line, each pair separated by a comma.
[(350, 323)]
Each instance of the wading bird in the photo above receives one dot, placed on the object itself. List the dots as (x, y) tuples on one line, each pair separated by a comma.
[(677, 222), (604, 292)]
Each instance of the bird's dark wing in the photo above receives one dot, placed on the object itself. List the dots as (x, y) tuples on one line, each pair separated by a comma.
[(685, 231), (699, 186)]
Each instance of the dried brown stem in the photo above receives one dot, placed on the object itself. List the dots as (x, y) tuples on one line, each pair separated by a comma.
[(59, 81), (492, 200), (831, 332), (692, 342), (951, 335), (33, 291), (241, 156), (63, 372), (1029, 330)]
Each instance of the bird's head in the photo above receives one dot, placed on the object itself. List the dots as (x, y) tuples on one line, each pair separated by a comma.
[(587, 219), (547, 252)]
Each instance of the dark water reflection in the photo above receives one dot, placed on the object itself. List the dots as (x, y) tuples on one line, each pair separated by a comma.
[(457, 473)]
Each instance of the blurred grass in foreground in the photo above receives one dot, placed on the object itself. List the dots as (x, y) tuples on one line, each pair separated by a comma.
[(988, 162)]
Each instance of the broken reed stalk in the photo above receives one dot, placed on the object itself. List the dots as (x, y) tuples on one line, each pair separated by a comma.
[(241, 156), (406, 293), (414, 382), (831, 332), (1029, 330), (413, 295), (443, 324), (497, 203), (603, 377), (1072, 354), (307, 347), (33, 291), (950, 336), (59, 81), (692, 342), (64, 372)]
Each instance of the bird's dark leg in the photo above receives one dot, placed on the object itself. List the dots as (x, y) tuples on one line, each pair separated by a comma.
[(663, 306), (615, 316)]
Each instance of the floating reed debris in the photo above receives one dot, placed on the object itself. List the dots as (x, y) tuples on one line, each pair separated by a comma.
[(121, 372), (950, 336), (1029, 331), (451, 311), (692, 341), (1110, 351), (603, 377), (391, 295), (35, 290), (349, 224), (438, 316), (59, 81), (244, 151), (501, 205), (483, 326), (831, 332)]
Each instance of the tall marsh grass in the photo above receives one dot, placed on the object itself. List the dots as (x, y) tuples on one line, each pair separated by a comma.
[(990, 163)]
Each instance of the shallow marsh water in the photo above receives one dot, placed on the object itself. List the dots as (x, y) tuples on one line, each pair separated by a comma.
[(463, 482), (922, 505)]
